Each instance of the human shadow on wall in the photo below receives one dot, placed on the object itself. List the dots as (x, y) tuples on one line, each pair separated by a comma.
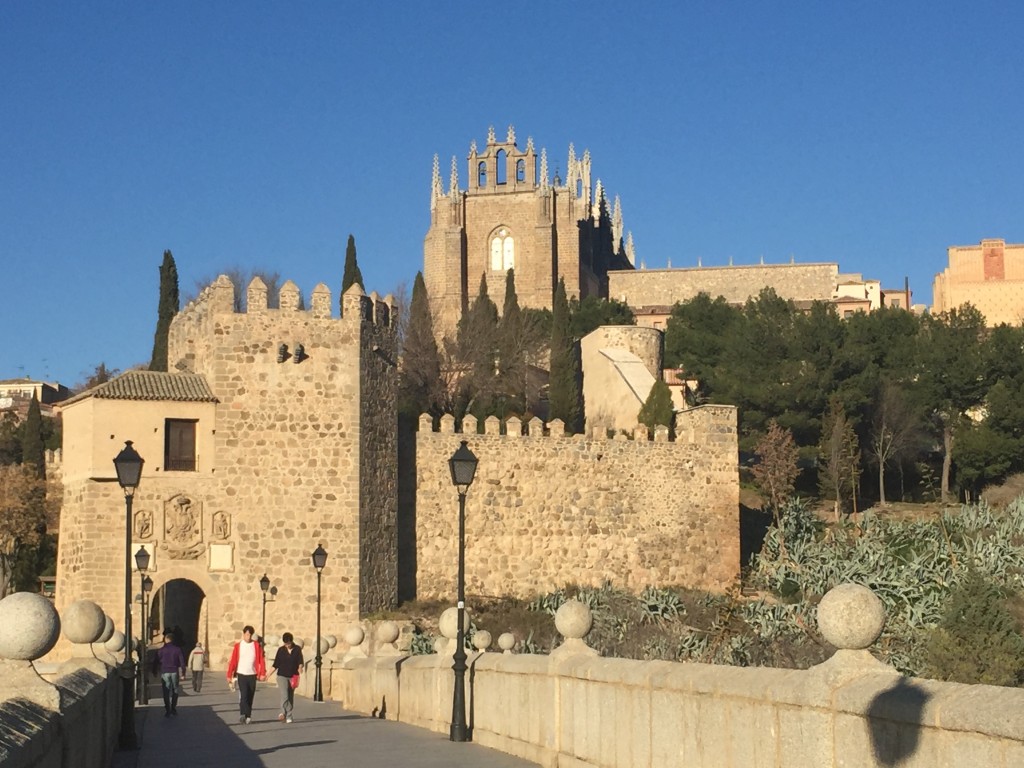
[(406, 532), (894, 718)]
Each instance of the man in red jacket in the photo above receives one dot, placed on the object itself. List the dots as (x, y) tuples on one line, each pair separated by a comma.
[(248, 665)]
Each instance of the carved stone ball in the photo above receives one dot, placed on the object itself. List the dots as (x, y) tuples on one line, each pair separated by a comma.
[(506, 641), (108, 630), (332, 640), (29, 626), (448, 624), (387, 632), (439, 645), (573, 619), (83, 622), (851, 617), (353, 635), (115, 642), (482, 640), (324, 646)]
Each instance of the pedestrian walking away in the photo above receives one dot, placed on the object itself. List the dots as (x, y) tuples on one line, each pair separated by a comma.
[(170, 665), (247, 665), (288, 665), (197, 665)]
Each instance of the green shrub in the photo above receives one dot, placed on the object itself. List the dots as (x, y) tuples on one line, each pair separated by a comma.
[(978, 639)]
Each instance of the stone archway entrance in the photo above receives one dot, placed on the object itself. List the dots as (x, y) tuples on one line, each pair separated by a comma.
[(180, 605)]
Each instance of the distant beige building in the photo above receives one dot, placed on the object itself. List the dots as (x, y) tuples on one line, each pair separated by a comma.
[(651, 293), (989, 276)]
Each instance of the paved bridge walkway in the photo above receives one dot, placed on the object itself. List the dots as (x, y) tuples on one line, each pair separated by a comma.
[(206, 732)]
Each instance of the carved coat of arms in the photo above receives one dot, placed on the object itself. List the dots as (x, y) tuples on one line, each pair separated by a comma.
[(183, 527)]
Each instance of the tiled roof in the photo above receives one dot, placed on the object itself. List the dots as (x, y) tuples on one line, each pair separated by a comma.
[(153, 385)]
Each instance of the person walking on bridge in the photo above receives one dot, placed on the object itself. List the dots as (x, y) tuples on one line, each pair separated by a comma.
[(196, 665), (247, 665), (170, 665), (287, 664)]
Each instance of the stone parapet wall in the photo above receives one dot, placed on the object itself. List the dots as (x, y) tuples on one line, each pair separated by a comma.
[(592, 712), (546, 510)]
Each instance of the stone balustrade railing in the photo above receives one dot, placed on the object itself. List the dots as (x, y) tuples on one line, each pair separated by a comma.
[(573, 708), (69, 717)]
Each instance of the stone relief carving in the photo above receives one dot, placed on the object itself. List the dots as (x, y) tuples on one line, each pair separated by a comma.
[(143, 524), (183, 527), (221, 525)]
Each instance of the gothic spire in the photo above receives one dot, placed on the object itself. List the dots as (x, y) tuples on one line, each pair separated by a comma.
[(630, 249), (510, 137), (435, 183), (617, 221), (453, 182), (490, 135), (543, 168)]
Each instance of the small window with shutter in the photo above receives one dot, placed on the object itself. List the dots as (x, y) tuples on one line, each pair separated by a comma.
[(180, 445)]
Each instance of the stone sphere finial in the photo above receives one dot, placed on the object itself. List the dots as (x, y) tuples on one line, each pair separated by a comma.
[(332, 640), (573, 620), (448, 624), (29, 626), (850, 617), (115, 642), (108, 630), (324, 646), (506, 641), (353, 635), (83, 622), (387, 632), (482, 640)]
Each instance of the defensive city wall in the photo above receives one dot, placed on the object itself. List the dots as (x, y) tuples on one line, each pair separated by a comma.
[(547, 509)]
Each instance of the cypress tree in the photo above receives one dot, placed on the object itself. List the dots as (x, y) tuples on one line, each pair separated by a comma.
[(419, 383), (657, 409), (512, 349), (478, 347), (565, 391), (352, 274), (33, 452), (167, 309)]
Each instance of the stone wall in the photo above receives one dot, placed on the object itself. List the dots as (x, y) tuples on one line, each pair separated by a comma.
[(664, 287), (546, 510)]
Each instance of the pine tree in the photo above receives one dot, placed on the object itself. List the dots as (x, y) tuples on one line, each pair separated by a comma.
[(565, 391), (419, 382), (352, 275), (33, 451), (657, 409), (167, 309), (839, 467)]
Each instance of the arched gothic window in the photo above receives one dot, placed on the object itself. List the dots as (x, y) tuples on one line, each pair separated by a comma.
[(520, 171), (503, 251), (481, 174)]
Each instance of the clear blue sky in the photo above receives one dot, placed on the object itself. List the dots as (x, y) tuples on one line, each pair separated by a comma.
[(260, 134)]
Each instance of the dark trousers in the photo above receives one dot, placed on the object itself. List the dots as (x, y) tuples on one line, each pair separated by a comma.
[(246, 693), (197, 680)]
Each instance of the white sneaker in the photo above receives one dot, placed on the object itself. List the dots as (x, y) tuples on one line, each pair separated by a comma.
[(248, 720), (288, 720)]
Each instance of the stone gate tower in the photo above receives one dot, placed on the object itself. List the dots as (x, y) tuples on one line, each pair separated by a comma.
[(514, 215), (273, 432)]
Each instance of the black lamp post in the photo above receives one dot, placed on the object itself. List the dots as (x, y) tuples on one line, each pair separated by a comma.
[(319, 561), (463, 467), (128, 465), (147, 588), (142, 563), (264, 586)]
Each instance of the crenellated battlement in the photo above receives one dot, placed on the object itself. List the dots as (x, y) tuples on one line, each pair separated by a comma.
[(694, 426)]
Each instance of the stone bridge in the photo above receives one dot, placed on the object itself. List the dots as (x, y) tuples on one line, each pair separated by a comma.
[(571, 708)]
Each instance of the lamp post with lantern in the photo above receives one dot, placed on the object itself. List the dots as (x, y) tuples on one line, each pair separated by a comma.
[(142, 564), (319, 561), (264, 586), (128, 465), (463, 468)]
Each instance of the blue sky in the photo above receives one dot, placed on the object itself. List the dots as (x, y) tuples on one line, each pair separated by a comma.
[(260, 134)]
